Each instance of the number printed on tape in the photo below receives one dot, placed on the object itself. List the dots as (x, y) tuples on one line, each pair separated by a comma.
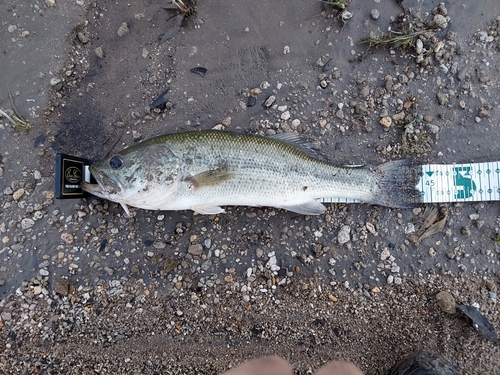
[(460, 182)]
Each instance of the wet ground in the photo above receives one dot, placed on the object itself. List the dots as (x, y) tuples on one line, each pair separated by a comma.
[(86, 289)]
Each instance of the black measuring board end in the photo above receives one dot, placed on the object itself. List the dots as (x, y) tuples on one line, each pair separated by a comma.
[(70, 171)]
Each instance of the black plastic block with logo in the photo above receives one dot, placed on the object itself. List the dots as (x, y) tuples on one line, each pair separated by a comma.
[(71, 171)]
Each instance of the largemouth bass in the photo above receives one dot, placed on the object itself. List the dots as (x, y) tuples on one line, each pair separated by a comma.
[(204, 170)]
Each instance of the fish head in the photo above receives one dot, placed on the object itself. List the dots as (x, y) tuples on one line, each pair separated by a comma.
[(139, 176)]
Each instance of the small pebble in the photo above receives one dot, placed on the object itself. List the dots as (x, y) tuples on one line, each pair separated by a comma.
[(440, 21), (344, 234), (374, 14), (43, 272), (98, 52), (27, 223), (54, 81), (196, 249), (447, 302), (285, 115), (84, 39), (123, 29), (386, 122), (270, 101), (67, 237), (18, 194)]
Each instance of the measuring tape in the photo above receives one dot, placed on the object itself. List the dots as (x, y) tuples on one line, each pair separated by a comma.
[(453, 183)]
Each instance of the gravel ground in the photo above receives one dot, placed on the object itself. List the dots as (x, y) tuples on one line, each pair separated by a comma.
[(86, 290)]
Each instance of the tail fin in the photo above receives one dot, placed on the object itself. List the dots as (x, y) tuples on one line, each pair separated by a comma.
[(394, 184)]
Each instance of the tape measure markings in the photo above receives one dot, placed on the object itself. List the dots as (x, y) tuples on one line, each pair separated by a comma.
[(442, 183)]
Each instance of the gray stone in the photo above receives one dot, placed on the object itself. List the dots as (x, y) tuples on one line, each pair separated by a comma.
[(6, 316), (196, 249), (27, 223), (123, 29), (344, 234)]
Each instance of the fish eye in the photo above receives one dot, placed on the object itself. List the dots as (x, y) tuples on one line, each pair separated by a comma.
[(116, 162)]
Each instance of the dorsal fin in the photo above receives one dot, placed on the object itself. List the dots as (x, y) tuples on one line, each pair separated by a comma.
[(297, 142)]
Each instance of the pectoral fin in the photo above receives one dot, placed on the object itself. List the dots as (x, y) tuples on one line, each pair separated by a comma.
[(308, 208), (125, 208), (211, 178)]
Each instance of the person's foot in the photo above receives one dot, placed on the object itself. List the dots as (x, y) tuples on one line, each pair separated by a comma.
[(339, 368), (272, 365)]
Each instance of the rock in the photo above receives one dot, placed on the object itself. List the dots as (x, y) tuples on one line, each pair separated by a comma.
[(482, 112), (98, 52), (44, 272), (123, 29), (419, 48), (329, 65), (67, 237), (434, 129), (18, 194), (55, 81), (270, 101), (344, 234), (374, 14), (386, 122), (50, 3), (84, 39), (6, 316), (440, 21), (285, 115), (442, 98), (346, 15), (447, 302), (196, 249), (399, 116), (27, 223), (61, 286), (37, 290)]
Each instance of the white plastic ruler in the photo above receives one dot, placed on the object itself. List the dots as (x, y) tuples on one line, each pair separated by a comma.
[(453, 183)]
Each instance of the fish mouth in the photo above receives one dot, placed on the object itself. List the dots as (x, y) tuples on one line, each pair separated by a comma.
[(106, 187)]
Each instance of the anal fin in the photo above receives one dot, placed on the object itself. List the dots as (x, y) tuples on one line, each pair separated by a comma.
[(207, 209), (312, 207)]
